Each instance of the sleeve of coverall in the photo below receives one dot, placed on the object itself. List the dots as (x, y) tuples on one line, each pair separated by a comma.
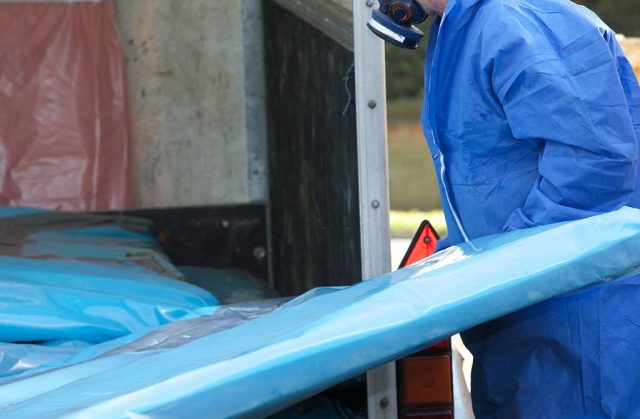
[(570, 104)]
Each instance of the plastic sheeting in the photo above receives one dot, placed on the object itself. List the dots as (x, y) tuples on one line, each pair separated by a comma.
[(19, 358), (64, 139), (331, 334), (228, 286), (30, 359), (85, 277)]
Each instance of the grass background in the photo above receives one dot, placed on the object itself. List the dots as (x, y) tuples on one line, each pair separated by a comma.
[(405, 223), (412, 182)]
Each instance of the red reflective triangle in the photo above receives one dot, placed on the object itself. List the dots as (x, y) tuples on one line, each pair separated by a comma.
[(423, 244)]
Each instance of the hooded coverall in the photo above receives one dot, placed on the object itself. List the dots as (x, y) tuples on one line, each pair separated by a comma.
[(532, 116)]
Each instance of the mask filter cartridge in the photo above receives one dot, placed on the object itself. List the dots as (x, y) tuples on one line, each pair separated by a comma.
[(394, 21)]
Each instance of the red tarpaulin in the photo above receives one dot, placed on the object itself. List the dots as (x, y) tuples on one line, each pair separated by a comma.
[(64, 137)]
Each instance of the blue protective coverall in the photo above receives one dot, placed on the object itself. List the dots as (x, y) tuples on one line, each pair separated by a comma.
[(532, 114)]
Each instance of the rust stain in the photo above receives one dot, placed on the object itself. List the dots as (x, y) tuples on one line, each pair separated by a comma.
[(166, 73)]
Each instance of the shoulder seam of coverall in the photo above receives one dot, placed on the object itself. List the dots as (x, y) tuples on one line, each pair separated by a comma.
[(547, 55), (539, 58), (526, 65)]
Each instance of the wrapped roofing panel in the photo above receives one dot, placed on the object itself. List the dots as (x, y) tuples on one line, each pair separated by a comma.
[(85, 277), (329, 334)]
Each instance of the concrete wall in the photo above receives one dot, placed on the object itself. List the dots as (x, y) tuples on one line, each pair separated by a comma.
[(196, 97)]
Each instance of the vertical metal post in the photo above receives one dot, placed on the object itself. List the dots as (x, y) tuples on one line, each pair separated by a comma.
[(255, 99), (374, 186)]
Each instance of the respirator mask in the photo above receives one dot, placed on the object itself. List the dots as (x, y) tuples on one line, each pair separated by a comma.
[(394, 21)]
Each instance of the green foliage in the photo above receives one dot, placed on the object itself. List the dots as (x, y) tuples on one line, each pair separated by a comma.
[(405, 68), (404, 110), (404, 73), (623, 16)]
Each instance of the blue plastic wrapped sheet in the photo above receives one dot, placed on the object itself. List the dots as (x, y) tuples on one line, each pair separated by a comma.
[(85, 277), (23, 360), (328, 335)]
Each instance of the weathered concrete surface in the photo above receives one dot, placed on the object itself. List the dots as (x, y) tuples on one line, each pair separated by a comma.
[(186, 75)]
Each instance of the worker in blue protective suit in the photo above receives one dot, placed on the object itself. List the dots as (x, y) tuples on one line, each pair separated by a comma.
[(532, 115)]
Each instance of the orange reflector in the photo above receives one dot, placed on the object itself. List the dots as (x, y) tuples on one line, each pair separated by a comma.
[(425, 380), (438, 348), (425, 383), (442, 414)]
